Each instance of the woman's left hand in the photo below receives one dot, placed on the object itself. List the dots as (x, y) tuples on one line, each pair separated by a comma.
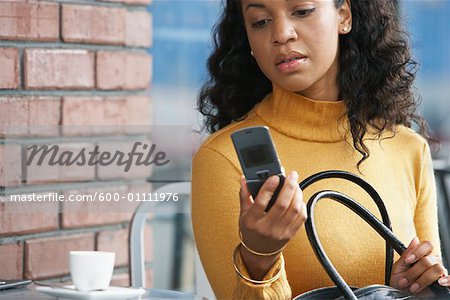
[(417, 269)]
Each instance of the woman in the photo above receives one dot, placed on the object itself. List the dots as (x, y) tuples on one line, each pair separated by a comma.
[(332, 79)]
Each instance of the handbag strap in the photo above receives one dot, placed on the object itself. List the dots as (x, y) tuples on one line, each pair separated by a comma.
[(317, 246), (372, 193), (382, 229)]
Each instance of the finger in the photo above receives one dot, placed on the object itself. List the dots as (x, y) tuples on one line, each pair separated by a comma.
[(427, 278), (420, 251), (245, 196), (402, 265), (264, 195), (300, 220), (295, 209), (419, 268), (444, 281), (285, 198)]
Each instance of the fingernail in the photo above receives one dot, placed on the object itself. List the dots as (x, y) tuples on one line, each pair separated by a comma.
[(293, 176), (272, 182), (403, 282), (289, 176), (412, 241), (410, 258), (414, 288), (443, 281)]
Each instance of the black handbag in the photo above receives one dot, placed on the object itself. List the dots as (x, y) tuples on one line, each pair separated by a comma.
[(342, 290)]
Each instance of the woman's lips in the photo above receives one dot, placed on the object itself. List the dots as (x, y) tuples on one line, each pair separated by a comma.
[(291, 65)]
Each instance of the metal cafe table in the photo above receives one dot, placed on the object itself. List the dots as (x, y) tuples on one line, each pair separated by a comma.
[(29, 292)]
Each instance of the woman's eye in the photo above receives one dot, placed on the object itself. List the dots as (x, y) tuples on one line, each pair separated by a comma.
[(260, 24), (304, 12)]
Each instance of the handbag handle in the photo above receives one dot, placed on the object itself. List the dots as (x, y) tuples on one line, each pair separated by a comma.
[(372, 193), (382, 229)]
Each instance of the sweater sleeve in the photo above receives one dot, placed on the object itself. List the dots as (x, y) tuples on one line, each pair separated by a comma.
[(215, 214), (278, 289), (426, 217)]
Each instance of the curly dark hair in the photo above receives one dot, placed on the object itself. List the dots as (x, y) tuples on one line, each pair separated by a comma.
[(375, 78)]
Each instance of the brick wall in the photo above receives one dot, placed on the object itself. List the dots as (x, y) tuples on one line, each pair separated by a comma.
[(65, 67)]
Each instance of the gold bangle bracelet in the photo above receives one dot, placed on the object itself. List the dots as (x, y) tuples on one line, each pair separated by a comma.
[(274, 278), (256, 252)]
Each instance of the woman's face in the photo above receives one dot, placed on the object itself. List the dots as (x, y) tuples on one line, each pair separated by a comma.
[(295, 42)]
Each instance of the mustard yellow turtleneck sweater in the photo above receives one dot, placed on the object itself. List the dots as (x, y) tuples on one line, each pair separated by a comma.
[(311, 136)]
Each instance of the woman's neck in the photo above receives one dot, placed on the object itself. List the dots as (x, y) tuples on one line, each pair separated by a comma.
[(321, 94), (304, 118), (322, 91)]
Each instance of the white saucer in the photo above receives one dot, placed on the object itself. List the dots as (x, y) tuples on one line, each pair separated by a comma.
[(113, 292)]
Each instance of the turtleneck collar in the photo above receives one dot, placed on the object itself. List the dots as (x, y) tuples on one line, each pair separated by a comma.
[(303, 118)]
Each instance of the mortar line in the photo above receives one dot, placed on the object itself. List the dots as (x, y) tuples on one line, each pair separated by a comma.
[(71, 46)]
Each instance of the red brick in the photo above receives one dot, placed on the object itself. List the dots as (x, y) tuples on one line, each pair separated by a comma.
[(46, 173), (116, 171), (137, 2), (59, 69), (120, 280), (138, 71), (114, 113), (47, 257), (115, 241), (44, 116), (139, 29), (113, 170), (11, 256), (9, 64), (37, 116), (93, 24), (95, 115), (14, 115), (138, 111), (123, 70), (29, 21), (10, 166), (81, 115), (27, 217), (81, 214)]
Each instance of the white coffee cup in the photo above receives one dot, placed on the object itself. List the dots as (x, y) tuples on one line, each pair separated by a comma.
[(91, 270)]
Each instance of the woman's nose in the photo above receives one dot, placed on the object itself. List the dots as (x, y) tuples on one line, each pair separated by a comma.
[(283, 32)]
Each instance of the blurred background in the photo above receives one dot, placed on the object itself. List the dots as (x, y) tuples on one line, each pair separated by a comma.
[(182, 42), (181, 45)]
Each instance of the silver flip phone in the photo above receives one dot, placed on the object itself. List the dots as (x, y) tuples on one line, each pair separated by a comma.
[(258, 158)]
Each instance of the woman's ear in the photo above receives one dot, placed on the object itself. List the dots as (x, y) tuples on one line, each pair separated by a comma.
[(345, 17)]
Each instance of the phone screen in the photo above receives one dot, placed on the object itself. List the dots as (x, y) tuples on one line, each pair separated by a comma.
[(257, 155)]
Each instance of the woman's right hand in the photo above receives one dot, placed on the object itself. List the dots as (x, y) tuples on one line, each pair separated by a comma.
[(267, 232)]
